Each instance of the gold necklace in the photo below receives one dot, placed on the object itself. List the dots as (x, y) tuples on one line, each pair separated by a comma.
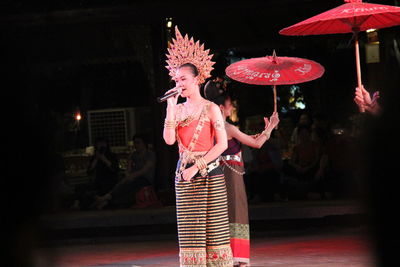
[(188, 116), (185, 122)]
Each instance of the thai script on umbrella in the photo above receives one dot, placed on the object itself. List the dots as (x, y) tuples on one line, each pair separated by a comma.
[(250, 74), (363, 9), (303, 70)]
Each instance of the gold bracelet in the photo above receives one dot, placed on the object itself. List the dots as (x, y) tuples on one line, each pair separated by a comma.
[(204, 162), (267, 134), (201, 164), (170, 124)]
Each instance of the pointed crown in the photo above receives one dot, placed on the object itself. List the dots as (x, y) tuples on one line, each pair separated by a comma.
[(182, 51)]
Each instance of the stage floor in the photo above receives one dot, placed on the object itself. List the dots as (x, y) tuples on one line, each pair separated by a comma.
[(305, 248)]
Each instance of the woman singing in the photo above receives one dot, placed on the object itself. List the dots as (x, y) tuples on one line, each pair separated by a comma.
[(198, 127), (232, 162)]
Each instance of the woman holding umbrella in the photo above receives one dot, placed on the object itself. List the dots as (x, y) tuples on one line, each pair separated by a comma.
[(232, 162), (198, 127)]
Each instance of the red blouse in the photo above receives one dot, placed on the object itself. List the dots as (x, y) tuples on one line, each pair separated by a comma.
[(206, 138)]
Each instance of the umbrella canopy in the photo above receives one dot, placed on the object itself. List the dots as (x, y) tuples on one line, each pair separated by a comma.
[(273, 70), (353, 16)]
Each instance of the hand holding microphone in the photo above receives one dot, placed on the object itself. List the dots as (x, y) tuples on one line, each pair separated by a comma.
[(172, 93)]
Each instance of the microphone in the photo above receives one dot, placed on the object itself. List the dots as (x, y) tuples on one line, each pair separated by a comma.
[(170, 94)]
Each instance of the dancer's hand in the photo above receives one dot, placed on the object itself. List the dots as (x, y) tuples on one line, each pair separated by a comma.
[(272, 122), (189, 173), (362, 98), (365, 102)]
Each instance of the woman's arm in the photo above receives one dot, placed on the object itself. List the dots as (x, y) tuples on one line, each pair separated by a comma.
[(249, 140), (170, 119), (169, 127), (132, 175), (221, 140), (245, 139), (148, 165)]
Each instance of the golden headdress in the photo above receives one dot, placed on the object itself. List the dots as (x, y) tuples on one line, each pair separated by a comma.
[(182, 51)]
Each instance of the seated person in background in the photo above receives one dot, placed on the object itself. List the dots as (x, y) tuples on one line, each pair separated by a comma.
[(304, 120), (264, 180), (304, 160), (338, 166), (104, 165), (140, 173)]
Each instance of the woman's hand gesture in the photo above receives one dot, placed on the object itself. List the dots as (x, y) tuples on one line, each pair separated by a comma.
[(173, 100), (272, 122), (189, 173)]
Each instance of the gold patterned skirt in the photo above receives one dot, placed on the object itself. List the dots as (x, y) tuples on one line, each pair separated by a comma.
[(203, 225)]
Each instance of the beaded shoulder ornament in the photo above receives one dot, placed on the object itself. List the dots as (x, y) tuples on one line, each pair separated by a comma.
[(185, 50)]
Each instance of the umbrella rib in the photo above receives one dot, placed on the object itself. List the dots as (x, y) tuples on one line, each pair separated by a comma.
[(393, 21), (377, 18), (363, 20), (329, 25), (310, 28)]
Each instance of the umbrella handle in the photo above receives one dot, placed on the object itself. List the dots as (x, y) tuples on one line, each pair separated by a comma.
[(274, 90), (358, 65)]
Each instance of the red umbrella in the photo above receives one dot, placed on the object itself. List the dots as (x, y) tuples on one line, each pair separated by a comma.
[(354, 16), (273, 70)]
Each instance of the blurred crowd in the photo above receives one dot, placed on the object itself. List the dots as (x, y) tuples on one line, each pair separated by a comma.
[(316, 160), (310, 158)]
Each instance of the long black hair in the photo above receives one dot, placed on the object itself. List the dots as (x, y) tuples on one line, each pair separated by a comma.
[(214, 92)]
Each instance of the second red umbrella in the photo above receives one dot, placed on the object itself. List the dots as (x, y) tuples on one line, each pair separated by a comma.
[(273, 70), (354, 16)]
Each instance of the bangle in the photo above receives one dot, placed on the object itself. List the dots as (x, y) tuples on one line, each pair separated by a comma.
[(169, 124), (266, 133), (201, 164)]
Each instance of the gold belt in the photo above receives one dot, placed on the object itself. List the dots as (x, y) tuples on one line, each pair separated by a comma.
[(232, 157), (212, 166)]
